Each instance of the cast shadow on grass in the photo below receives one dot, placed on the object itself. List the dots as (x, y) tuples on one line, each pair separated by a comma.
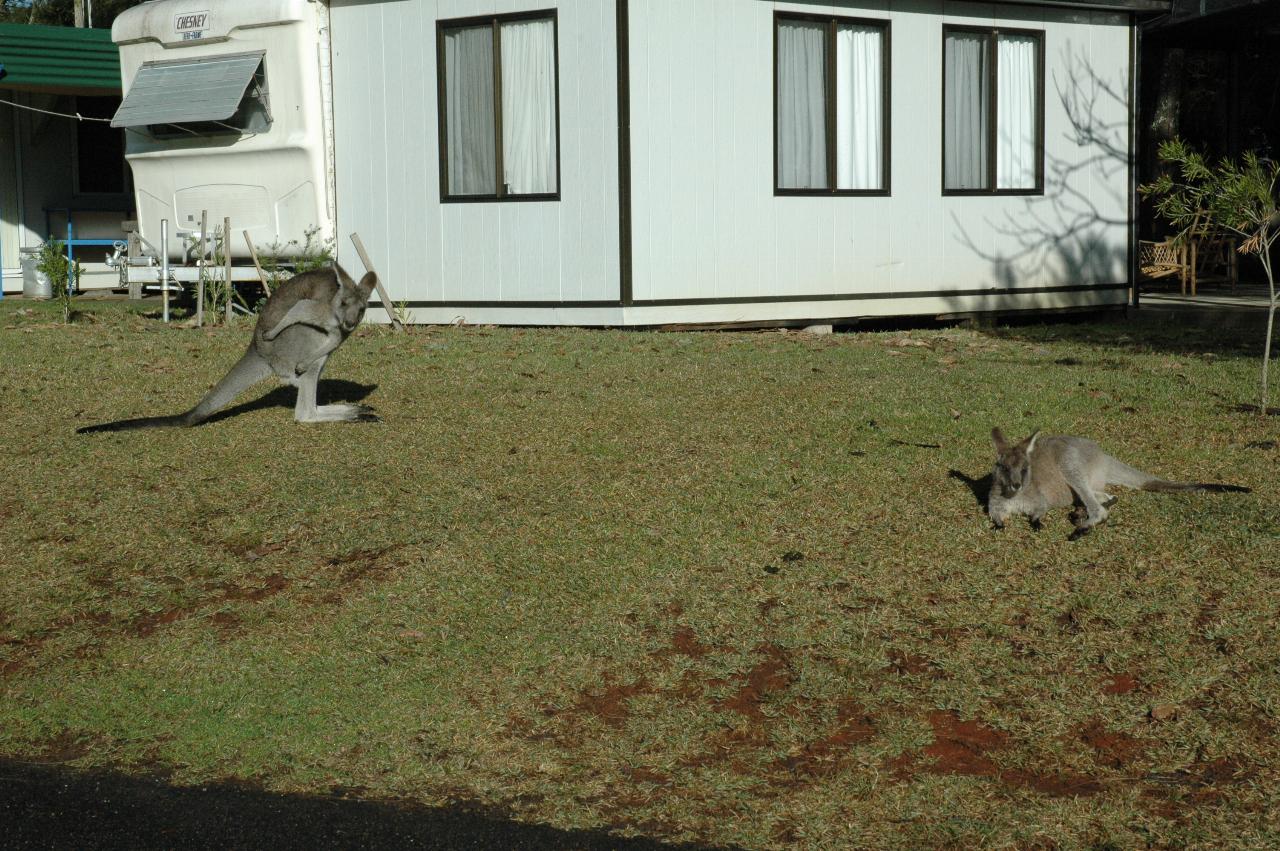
[(329, 391), (45, 806), (980, 488), (281, 397), (1223, 333)]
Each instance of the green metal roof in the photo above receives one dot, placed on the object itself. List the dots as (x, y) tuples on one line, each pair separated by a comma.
[(59, 59)]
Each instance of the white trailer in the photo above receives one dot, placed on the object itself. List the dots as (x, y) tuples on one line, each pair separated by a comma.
[(226, 118), (652, 162)]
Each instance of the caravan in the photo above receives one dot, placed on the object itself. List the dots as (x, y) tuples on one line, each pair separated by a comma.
[(225, 119)]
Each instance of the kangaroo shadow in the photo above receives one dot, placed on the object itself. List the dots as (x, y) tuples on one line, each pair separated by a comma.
[(328, 390), (980, 488)]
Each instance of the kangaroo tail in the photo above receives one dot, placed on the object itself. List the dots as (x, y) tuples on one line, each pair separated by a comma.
[(1160, 485), (1121, 473), (249, 370)]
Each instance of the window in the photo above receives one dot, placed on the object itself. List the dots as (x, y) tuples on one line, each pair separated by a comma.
[(993, 111), (100, 165), (211, 95), (831, 96), (499, 108)]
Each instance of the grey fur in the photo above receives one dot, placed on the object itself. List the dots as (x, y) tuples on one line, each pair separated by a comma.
[(1040, 473), (299, 327)]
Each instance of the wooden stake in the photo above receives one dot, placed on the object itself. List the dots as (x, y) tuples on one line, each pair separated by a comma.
[(200, 267), (253, 252), (382, 292), (226, 260)]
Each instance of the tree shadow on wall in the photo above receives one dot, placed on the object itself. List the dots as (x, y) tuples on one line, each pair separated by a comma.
[(1069, 231)]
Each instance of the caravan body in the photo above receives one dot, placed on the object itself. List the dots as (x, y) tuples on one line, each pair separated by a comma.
[(226, 116)]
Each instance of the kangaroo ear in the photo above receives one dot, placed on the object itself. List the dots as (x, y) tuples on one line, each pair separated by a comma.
[(997, 438), (368, 282), (1031, 441)]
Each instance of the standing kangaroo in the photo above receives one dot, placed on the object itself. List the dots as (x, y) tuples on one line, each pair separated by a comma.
[(1038, 474), (303, 322)]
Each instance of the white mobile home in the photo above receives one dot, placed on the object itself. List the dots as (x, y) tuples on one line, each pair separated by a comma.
[(646, 162)]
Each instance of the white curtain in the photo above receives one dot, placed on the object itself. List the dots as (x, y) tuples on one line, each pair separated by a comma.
[(468, 65), (802, 135), (529, 107), (859, 105), (965, 105), (1016, 95)]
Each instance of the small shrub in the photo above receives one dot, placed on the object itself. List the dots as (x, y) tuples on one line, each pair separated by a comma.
[(282, 262), (52, 261)]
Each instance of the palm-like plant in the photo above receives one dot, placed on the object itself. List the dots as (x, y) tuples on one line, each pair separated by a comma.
[(1237, 196)]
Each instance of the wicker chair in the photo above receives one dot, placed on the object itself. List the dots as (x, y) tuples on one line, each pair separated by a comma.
[(1214, 259), (1157, 260)]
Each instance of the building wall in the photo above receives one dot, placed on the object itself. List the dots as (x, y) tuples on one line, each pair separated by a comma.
[(388, 177), (10, 226), (39, 151), (707, 223), (707, 226)]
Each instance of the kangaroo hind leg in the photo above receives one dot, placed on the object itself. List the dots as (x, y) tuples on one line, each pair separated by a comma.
[(1091, 511), (307, 411)]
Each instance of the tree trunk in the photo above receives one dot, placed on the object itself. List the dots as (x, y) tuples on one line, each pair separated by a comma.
[(78, 6), (1265, 256)]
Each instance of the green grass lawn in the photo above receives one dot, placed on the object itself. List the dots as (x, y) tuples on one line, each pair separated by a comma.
[(732, 588)]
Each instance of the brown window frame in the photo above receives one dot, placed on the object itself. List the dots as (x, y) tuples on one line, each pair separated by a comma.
[(992, 34), (496, 21), (886, 102)]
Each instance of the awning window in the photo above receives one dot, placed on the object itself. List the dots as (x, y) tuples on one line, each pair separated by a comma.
[(208, 95)]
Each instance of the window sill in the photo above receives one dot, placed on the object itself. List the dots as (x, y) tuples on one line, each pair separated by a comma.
[(831, 193), (498, 199), (981, 193)]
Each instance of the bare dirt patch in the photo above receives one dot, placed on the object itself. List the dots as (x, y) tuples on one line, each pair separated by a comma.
[(1110, 748), (771, 675), (965, 747), (1120, 684), (827, 755), (610, 703), (254, 592), (1203, 783), (685, 642)]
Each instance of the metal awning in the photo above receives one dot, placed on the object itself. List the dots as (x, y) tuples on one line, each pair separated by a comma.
[(184, 91)]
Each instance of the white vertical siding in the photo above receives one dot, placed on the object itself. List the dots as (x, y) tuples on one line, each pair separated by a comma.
[(387, 140), (10, 227), (707, 223)]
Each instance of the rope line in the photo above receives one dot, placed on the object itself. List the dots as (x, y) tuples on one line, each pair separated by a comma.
[(74, 115)]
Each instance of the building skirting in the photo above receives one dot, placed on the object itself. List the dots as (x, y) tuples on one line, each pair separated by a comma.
[(764, 311)]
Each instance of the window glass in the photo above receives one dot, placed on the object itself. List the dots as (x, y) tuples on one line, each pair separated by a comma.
[(100, 164), (499, 92), (992, 138), (1016, 95), (468, 66), (802, 111), (965, 111), (529, 107), (831, 101)]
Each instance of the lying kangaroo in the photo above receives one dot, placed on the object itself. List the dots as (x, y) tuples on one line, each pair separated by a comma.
[(1038, 474), (303, 322)]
